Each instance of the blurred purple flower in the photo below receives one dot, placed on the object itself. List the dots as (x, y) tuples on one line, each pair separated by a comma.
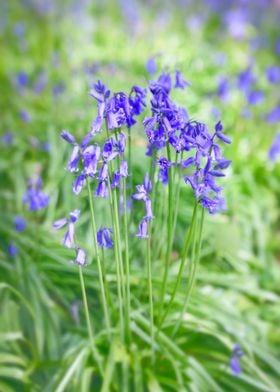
[(274, 150), (273, 74), (19, 223), (255, 97), (12, 250), (234, 360), (25, 116), (151, 66), (34, 196), (8, 138), (274, 115)]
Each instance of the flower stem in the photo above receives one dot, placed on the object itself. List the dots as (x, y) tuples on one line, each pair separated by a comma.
[(127, 266), (95, 353), (189, 236), (193, 268), (150, 289), (100, 273), (118, 260), (169, 236)]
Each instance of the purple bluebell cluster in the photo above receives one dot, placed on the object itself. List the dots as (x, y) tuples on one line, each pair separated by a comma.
[(92, 160), (143, 192), (234, 360), (171, 127), (34, 197)]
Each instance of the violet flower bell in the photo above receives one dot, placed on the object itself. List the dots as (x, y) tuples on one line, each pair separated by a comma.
[(103, 237), (68, 240), (81, 257)]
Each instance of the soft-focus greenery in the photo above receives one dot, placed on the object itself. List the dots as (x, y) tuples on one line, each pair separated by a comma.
[(43, 336)]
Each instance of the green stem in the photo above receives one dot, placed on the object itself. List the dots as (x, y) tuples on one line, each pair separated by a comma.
[(100, 274), (169, 236), (150, 289), (189, 236), (106, 286), (127, 267), (118, 253), (95, 353), (194, 265), (118, 261), (129, 155)]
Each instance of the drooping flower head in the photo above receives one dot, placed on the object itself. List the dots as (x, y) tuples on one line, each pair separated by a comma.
[(143, 193), (81, 257), (103, 237), (68, 240)]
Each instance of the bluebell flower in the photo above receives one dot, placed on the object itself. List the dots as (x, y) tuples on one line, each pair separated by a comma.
[(143, 190), (123, 169), (22, 80), (78, 184), (58, 89), (25, 116), (81, 257), (102, 189), (68, 240), (151, 66), (164, 166), (223, 89), (19, 29), (118, 111), (277, 47), (40, 83), (180, 82), (19, 223), (274, 150), (34, 196), (7, 138), (103, 237), (273, 74), (12, 250), (274, 115), (143, 193), (143, 229), (246, 79), (255, 97), (137, 102), (234, 360)]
